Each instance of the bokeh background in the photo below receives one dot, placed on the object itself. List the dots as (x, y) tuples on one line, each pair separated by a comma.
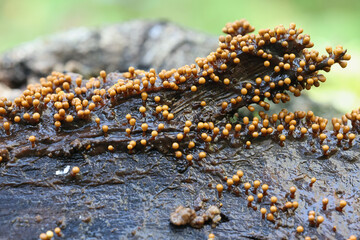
[(330, 22)]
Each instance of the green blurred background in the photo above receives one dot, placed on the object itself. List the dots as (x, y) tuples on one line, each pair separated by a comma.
[(330, 22)]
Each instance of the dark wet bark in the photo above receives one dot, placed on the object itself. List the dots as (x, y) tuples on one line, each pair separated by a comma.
[(131, 196)]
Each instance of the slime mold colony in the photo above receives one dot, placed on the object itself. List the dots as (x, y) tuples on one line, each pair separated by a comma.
[(187, 116)]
